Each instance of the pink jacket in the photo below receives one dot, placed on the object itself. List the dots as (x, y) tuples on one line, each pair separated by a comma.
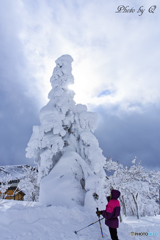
[(112, 210)]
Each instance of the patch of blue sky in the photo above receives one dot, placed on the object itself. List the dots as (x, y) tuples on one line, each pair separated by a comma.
[(105, 93)]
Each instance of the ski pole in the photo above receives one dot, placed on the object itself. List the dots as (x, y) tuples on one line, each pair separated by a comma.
[(100, 225), (88, 225)]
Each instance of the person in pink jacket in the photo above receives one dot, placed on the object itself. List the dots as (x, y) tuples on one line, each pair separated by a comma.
[(111, 213)]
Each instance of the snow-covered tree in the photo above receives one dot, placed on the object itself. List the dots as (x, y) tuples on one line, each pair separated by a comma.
[(67, 127), (29, 184), (154, 185), (135, 187)]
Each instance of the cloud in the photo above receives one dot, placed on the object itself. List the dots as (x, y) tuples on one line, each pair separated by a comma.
[(18, 108), (117, 52), (126, 134), (111, 51)]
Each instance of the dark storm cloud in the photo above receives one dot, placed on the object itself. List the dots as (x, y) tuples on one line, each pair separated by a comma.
[(18, 110), (126, 134)]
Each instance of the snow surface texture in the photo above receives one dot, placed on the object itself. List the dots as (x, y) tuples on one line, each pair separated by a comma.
[(19, 221), (64, 147)]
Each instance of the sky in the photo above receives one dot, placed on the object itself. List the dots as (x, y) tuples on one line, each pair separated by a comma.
[(116, 71)]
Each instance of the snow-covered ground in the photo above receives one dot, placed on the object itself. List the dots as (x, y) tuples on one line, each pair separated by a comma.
[(31, 221)]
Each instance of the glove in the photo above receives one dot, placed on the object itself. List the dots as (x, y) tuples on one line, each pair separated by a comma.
[(98, 213)]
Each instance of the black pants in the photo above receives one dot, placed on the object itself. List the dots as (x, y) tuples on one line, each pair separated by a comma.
[(113, 233)]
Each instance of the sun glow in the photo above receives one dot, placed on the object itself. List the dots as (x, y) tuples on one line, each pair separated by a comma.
[(71, 87)]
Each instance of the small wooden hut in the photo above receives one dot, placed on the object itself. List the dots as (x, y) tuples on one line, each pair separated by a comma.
[(16, 173)]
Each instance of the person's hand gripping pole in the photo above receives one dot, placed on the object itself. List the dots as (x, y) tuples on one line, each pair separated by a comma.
[(98, 214)]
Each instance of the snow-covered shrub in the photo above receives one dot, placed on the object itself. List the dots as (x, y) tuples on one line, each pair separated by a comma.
[(67, 128)]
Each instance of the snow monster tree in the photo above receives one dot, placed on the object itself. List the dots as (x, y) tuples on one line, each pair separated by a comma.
[(68, 156)]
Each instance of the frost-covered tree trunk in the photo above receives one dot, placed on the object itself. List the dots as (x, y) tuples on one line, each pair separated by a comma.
[(64, 145), (136, 203), (122, 201)]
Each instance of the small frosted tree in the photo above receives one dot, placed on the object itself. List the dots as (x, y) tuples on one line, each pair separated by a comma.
[(29, 184), (67, 127)]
